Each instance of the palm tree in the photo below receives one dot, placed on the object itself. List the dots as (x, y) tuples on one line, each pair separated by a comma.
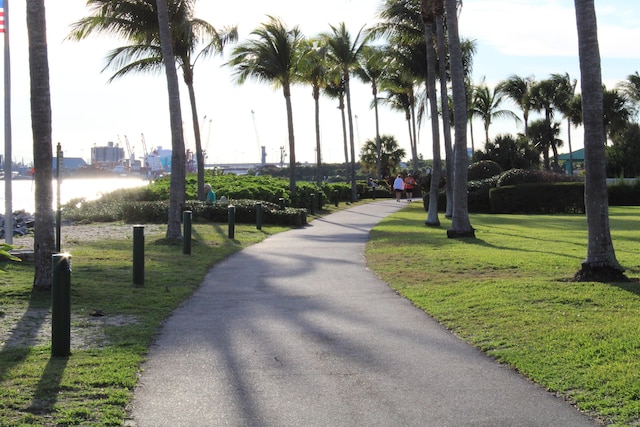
[(335, 89), (177, 185), (345, 52), (371, 69), (486, 105), (145, 54), (313, 71), (544, 137), (519, 90), (44, 240), (460, 224), (273, 56), (444, 102), (631, 88), (428, 17), (601, 256), (390, 153), (564, 94)]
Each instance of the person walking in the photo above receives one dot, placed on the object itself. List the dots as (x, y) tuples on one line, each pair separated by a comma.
[(409, 184), (398, 186)]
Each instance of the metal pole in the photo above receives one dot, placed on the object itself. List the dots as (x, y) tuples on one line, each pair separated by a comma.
[(138, 254), (61, 306), (259, 215), (313, 204), (231, 210), (186, 224), (59, 161), (8, 188)]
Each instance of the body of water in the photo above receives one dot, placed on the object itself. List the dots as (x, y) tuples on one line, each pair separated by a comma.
[(72, 188)]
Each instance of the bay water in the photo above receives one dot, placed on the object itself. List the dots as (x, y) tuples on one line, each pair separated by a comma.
[(23, 190)]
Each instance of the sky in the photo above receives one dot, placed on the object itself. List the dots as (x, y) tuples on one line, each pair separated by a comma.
[(522, 37)]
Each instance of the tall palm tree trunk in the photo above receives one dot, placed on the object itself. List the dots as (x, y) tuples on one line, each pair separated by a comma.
[(177, 179), (428, 18), (414, 139), (316, 101), (460, 225), (444, 102), (352, 171), (198, 141), (292, 142), (378, 141), (600, 253), (344, 133), (44, 239)]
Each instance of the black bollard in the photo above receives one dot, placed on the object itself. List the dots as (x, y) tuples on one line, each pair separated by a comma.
[(231, 210), (61, 306), (138, 254), (335, 197), (281, 203), (313, 204), (186, 225), (259, 215)]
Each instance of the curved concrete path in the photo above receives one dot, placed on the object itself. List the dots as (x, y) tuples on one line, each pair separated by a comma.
[(296, 331)]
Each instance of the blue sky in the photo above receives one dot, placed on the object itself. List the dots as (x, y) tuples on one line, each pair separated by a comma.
[(523, 37)]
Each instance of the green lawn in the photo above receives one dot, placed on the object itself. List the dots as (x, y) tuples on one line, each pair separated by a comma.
[(509, 292)]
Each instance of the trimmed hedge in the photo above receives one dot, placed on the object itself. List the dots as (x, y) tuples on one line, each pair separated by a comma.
[(215, 212), (542, 198)]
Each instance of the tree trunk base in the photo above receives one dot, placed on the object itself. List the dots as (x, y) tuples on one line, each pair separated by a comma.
[(604, 274), (455, 234), (432, 223)]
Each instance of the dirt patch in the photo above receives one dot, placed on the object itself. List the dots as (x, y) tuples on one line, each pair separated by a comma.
[(32, 327), (22, 327)]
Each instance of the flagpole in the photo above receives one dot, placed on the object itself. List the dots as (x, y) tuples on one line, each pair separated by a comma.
[(8, 191)]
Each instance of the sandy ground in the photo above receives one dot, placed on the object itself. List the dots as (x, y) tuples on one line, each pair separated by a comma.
[(28, 327)]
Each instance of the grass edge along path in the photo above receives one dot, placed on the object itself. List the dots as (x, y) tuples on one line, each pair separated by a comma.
[(95, 384), (509, 293)]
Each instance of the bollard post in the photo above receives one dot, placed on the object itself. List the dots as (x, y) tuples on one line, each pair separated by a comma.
[(313, 204), (335, 197), (259, 215), (186, 225), (231, 210), (138, 254), (281, 203), (61, 306)]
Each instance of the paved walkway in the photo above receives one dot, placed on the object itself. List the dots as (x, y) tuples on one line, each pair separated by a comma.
[(296, 331)]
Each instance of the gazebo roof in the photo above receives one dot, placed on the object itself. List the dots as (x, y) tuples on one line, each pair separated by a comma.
[(577, 155)]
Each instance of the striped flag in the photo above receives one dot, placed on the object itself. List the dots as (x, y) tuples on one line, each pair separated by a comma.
[(1, 16)]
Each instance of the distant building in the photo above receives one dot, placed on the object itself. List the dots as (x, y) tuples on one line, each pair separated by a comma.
[(69, 164), (106, 157)]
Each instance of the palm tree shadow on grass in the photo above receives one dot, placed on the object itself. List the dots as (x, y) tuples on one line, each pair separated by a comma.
[(24, 336)]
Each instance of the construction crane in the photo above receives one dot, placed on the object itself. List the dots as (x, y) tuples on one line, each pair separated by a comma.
[(131, 154), (145, 153)]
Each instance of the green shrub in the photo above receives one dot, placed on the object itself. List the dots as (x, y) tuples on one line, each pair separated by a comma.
[(623, 194), (538, 198), (530, 176), (483, 169)]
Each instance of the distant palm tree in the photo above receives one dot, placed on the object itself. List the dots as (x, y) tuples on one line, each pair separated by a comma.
[(486, 105), (519, 90), (335, 89), (345, 52), (177, 179), (44, 239), (544, 137), (390, 153), (145, 52), (313, 71), (273, 57), (563, 101), (601, 256), (460, 224), (631, 88), (371, 69)]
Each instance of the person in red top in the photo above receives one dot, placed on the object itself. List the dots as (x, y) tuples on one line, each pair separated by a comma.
[(409, 184)]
